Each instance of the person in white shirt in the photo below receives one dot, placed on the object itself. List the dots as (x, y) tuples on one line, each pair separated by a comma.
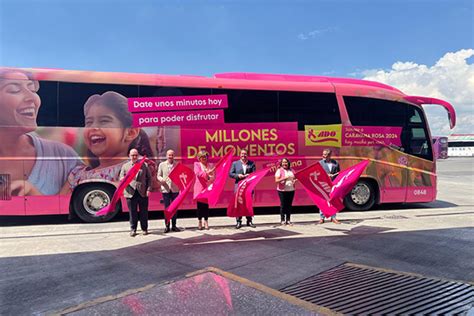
[(285, 178)]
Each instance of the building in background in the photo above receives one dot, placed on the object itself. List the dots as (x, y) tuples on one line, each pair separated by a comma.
[(461, 145)]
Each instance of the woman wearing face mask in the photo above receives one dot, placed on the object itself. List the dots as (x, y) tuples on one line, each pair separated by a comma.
[(28, 172)]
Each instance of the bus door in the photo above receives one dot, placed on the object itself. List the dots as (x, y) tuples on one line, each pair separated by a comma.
[(421, 178), (391, 172)]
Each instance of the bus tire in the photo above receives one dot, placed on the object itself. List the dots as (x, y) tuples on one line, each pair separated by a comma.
[(362, 197), (89, 199)]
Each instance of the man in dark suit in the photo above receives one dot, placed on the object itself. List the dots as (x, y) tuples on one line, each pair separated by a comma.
[(240, 170), (332, 168), (137, 193)]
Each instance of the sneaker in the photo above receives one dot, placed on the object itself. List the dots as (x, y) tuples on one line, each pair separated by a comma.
[(289, 223), (283, 223), (145, 232), (251, 224), (133, 233), (321, 221), (175, 229), (239, 224), (335, 221)]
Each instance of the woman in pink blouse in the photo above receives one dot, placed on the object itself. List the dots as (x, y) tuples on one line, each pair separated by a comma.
[(204, 177)]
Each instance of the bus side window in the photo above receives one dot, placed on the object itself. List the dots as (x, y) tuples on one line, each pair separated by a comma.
[(73, 96), (48, 112), (418, 143), (250, 106), (308, 108)]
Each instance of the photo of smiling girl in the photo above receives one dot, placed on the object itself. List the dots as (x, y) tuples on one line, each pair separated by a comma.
[(26, 154), (108, 136)]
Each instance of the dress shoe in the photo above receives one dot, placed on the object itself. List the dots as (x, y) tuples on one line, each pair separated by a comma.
[(145, 232), (239, 224), (321, 221), (335, 221), (251, 224), (133, 233), (175, 229), (167, 230)]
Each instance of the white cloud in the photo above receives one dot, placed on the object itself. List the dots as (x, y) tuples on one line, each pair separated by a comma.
[(451, 79), (315, 33)]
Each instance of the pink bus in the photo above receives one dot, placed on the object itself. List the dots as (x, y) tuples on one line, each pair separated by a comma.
[(65, 134)]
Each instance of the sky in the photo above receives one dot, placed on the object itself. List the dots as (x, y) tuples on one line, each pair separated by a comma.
[(418, 46)]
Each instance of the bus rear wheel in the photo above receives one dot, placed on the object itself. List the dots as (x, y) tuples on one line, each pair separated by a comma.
[(362, 196), (89, 199)]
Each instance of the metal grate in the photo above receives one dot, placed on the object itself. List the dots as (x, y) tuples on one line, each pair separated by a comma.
[(351, 289)]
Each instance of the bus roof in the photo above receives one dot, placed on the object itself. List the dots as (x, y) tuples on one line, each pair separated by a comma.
[(303, 78)]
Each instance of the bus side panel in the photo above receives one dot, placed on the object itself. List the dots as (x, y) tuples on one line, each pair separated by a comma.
[(64, 201), (13, 206), (41, 205)]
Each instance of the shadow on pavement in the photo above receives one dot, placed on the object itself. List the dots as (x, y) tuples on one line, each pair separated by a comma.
[(275, 258)]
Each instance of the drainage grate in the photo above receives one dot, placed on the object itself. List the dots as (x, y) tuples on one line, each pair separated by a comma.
[(352, 289)]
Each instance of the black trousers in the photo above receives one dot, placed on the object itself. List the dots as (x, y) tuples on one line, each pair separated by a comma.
[(286, 200), (134, 203), (202, 211), (167, 199)]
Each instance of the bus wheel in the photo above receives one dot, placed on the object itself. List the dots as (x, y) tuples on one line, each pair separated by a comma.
[(89, 199), (362, 196)]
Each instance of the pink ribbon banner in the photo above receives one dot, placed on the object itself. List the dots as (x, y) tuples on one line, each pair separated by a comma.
[(122, 185), (178, 103), (212, 193), (241, 203), (184, 178), (318, 185), (204, 117)]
